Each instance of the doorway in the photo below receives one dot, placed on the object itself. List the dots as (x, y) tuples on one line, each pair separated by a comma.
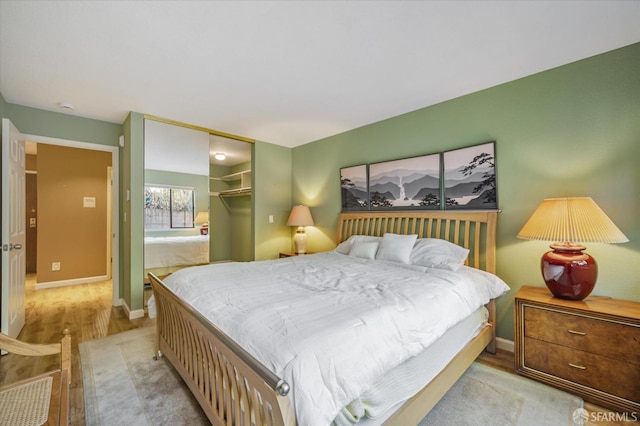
[(87, 204)]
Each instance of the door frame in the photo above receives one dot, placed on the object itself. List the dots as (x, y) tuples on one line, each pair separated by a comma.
[(115, 199), (110, 221)]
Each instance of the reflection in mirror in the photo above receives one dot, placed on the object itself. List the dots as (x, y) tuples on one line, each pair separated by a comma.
[(176, 190)]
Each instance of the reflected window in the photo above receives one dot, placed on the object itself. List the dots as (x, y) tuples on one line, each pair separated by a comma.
[(168, 207)]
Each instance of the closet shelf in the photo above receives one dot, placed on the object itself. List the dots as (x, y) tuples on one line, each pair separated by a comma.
[(243, 175), (244, 188)]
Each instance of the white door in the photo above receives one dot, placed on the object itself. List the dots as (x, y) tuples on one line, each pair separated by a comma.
[(13, 230)]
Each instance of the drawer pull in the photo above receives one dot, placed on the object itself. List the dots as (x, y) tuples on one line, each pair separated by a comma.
[(579, 333), (579, 367)]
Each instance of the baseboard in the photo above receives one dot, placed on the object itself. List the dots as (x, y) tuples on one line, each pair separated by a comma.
[(138, 313), (63, 283), (504, 344)]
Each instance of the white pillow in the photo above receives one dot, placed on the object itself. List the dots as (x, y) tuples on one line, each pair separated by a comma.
[(364, 249), (396, 248), (437, 253), (345, 246)]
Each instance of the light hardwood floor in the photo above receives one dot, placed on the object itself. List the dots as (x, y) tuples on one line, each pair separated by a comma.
[(86, 310)]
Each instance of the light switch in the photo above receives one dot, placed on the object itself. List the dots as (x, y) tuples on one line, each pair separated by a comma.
[(270, 218)]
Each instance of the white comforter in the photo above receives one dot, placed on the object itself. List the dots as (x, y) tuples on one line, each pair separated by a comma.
[(162, 252), (330, 324)]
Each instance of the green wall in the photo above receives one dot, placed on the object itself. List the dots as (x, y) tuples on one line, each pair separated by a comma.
[(132, 202), (271, 196), (62, 126), (570, 131), (3, 106)]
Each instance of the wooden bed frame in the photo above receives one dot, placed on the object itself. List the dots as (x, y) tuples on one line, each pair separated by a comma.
[(233, 388)]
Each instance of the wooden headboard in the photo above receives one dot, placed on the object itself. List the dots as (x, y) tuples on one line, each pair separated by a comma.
[(474, 230)]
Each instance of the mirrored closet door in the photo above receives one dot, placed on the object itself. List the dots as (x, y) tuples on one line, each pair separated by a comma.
[(197, 197)]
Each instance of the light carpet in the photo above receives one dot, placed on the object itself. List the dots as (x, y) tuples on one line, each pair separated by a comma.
[(123, 385), (485, 396)]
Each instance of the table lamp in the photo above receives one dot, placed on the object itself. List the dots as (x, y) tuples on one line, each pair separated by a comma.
[(569, 272), (203, 218), (300, 216)]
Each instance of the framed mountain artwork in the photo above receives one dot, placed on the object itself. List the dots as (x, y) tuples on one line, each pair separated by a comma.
[(406, 184), (470, 178), (354, 188)]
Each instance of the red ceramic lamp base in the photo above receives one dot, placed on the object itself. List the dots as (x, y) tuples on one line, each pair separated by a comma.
[(568, 272)]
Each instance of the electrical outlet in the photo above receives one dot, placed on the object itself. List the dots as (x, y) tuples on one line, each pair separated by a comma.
[(55, 266)]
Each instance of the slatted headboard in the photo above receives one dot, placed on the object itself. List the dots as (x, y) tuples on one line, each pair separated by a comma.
[(474, 230)]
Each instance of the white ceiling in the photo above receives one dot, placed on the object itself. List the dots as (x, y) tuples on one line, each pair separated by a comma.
[(288, 72)]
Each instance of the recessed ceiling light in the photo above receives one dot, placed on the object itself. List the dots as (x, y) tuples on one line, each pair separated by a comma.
[(220, 156), (66, 105)]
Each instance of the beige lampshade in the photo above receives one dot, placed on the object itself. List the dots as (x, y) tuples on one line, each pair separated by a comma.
[(202, 217), (300, 216), (574, 220)]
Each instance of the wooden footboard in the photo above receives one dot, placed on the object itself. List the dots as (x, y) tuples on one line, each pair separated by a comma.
[(231, 386), (235, 389)]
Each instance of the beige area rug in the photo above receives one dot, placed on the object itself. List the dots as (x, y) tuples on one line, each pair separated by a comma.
[(491, 397), (123, 385)]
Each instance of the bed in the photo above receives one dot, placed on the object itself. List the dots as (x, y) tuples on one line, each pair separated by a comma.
[(233, 379), (165, 255)]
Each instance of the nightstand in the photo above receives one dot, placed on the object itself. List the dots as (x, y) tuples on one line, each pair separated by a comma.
[(590, 348), (291, 253)]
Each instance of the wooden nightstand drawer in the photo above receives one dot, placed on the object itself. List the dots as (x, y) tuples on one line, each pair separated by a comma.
[(590, 348), (589, 334), (588, 369)]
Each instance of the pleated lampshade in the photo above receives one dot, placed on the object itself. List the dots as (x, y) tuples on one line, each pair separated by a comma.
[(568, 272), (576, 220), (202, 217)]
